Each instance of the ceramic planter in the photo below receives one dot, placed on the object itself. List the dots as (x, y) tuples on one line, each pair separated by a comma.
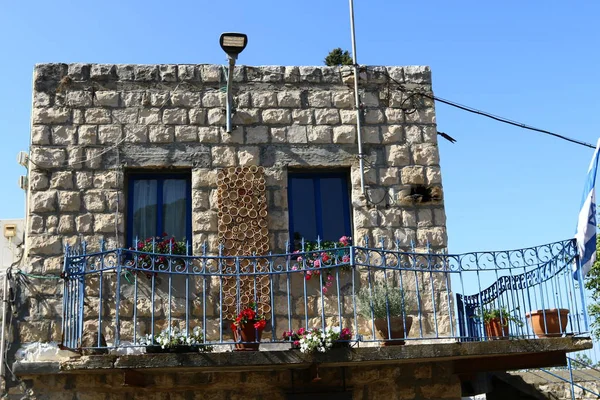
[(494, 329), (247, 333), (549, 323), (397, 328)]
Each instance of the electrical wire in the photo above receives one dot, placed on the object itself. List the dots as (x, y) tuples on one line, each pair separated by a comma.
[(472, 110)]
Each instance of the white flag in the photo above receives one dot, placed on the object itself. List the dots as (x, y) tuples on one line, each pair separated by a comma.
[(586, 223)]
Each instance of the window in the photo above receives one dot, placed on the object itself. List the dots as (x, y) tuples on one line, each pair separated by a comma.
[(319, 206), (157, 204)]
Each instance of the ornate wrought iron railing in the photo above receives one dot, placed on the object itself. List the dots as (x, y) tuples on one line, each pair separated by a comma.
[(126, 298)]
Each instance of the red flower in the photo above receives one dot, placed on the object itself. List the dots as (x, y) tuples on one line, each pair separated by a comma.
[(260, 325)]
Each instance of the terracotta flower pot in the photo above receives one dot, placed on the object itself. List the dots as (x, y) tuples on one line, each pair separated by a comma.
[(552, 325), (397, 327), (247, 333), (495, 330)]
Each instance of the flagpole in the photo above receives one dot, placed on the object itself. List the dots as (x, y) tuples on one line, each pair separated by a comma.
[(361, 161)]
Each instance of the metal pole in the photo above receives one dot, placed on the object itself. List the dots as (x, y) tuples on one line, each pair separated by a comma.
[(3, 333), (357, 100), (229, 94)]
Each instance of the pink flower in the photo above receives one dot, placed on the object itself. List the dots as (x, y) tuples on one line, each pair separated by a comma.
[(317, 264), (299, 259), (328, 284), (324, 290), (330, 277), (307, 277), (295, 268), (325, 257), (345, 240), (346, 258), (301, 331)]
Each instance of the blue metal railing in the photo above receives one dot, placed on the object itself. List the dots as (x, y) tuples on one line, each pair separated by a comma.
[(125, 295)]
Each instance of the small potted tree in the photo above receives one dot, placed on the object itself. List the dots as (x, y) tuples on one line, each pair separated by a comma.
[(495, 322), (387, 306)]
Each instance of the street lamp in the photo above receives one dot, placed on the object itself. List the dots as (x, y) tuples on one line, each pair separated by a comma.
[(232, 44)]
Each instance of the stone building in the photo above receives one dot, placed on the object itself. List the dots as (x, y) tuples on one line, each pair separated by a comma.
[(120, 152)]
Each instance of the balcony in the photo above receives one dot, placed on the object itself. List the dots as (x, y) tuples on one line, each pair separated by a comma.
[(129, 301)]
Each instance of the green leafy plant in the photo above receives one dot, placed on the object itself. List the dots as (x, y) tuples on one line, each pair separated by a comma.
[(501, 314), (592, 284), (380, 299), (338, 57)]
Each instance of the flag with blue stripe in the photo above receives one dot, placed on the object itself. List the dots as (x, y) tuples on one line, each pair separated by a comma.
[(586, 223)]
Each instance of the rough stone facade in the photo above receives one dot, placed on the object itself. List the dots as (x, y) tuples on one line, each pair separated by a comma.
[(92, 124)]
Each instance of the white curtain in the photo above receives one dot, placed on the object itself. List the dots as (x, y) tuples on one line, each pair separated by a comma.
[(174, 208), (144, 208)]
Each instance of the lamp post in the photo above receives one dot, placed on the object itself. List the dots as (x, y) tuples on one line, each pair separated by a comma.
[(232, 44)]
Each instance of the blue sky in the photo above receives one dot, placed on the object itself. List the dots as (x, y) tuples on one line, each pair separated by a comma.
[(535, 62)]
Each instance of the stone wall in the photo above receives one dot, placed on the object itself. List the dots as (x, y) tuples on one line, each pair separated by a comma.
[(408, 381), (92, 124)]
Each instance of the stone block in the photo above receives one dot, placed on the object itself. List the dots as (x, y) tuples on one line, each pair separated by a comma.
[(103, 72), (210, 73), (426, 116), (297, 134), (319, 134), (289, 98), (249, 155), (188, 73), (107, 180), (370, 134), (36, 224), (205, 221), (278, 135), (348, 117), (309, 74), (394, 115), (264, 99), (204, 178), (38, 181), (208, 134), (149, 116), (433, 175), (303, 117), (66, 224), (413, 134), (125, 72), (398, 155), (409, 218), (177, 116), (327, 116), (69, 200), (374, 117), (259, 134), (84, 223), (216, 116), (94, 201), (136, 133), (435, 236), (132, 99), (88, 134), (277, 116), (97, 116), (248, 116), (213, 99), (40, 134), (145, 73), (51, 115), (43, 201), (424, 218), (425, 154), (125, 116), (110, 134), (343, 99), (186, 133), (186, 99), (62, 180), (45, 245), (223, 156), (168, 72), (197, 116), (413, 175), (105, 223), (389, 176), (107, 98), (64, 135), (79, 98), (79, 71), (161, 134), (319, 99), (344, 134)]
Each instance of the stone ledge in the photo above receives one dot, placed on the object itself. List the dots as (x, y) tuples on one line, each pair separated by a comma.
[(294, 359)]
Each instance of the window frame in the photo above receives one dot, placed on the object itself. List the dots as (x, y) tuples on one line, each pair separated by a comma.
[(316, 176), (160, 177)]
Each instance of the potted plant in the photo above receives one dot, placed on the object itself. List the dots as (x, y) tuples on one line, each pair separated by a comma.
[(175, 341), (157, 245), (387, 306), (247, 328), (495, 322), (551, 322), (318, 341)]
